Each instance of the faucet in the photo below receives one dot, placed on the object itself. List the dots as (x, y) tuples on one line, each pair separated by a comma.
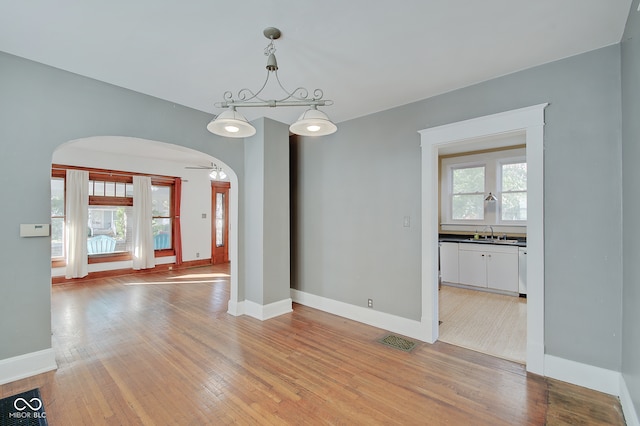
[(490, 227)]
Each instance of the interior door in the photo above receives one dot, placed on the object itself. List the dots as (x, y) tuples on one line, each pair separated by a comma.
[(219, 222)]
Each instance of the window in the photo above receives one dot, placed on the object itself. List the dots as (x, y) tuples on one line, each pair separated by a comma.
[(467, 193), (513, 198), (57, 218), (161, 222), (466, 180), (109, 228), (220, 219)]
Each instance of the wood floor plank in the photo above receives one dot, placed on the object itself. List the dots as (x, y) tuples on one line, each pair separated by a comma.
[(160, 348)]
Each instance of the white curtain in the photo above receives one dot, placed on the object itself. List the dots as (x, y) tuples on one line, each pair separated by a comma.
[(143, 254), (77, 213)]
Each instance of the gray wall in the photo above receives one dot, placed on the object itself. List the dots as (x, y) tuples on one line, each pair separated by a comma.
[(631, 206), (41, 108), (267, 241), (352, 190)]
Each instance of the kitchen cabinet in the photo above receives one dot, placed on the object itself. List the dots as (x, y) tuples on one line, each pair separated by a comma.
[(449, 262), (488, 266)]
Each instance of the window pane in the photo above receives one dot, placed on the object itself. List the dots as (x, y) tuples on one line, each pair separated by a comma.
[(468, 207), (514, 177), (57, 197), (90, 188), (468, 180), (129, 190), (98, 188), (120, 189), (219, 219), (110, 229), (110, 189), (161, 198), (514, 206), (161, 233), (57, 237)]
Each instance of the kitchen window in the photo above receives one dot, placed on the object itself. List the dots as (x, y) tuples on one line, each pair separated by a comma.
[(467, 179), (467, 193), (513, 192)]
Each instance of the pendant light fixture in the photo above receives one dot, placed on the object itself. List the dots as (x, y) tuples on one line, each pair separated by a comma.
[(312, 122)]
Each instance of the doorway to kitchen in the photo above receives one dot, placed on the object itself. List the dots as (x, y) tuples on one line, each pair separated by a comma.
[(482, 228), (529, 120)]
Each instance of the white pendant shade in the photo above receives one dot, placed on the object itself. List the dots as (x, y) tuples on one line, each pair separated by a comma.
[(231, 124), (313, 123)]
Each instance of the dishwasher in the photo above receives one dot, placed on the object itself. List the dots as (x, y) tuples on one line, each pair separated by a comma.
[(522, 271)]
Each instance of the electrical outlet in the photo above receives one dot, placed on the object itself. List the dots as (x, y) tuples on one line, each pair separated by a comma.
[(171, 268), (204, 215), (370, 303), (198, 254)]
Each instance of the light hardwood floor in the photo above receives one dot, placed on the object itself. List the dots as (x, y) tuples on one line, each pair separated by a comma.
[(490, 323), (160, 349)]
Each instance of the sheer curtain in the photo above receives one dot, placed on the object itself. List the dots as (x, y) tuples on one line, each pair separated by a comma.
[(143, 254), (77, 212), (177, 229)]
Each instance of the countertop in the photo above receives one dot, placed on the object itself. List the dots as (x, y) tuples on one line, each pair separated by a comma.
[(451, 238)]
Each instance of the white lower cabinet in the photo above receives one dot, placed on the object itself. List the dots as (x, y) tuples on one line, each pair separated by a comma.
[(472, 265), (488, 266), (449, 262)]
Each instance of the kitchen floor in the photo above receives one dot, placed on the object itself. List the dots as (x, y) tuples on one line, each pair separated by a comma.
[(490, 323)]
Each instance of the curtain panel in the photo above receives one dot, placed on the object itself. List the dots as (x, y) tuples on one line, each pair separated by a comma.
[(143, 250), (77, 212)]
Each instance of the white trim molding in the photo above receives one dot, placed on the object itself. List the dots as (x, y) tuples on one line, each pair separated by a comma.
[(588, 376), (410, 328), (596, 378), (27, 365), (463, 135), (235, 308), (265, 312), (629, 410)]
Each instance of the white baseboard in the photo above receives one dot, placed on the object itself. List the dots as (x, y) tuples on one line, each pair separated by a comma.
[(588, 376), (265, 312), (630, 414), (235, 308), (27, 365), (407, 327)]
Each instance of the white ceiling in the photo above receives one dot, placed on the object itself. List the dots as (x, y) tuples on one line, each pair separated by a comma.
[(366, 55)]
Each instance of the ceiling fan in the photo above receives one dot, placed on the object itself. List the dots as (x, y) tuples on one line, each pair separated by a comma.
[(216, 172)]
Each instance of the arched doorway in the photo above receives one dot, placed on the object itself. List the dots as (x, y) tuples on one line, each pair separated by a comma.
[(154, 157)]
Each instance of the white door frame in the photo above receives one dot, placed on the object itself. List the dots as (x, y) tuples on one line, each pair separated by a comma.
[(529, 120)]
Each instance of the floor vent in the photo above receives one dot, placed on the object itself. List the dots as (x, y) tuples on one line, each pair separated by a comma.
[(397, 342)]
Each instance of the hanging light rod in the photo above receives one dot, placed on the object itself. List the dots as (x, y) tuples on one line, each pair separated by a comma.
[(312, 122)]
